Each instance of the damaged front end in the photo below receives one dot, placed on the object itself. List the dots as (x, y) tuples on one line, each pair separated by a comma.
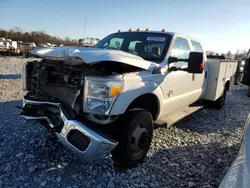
[(49, 81), (73, 95), (79, 138), (64, 97)]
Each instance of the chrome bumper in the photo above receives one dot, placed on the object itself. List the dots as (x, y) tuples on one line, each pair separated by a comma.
[(98, 146)]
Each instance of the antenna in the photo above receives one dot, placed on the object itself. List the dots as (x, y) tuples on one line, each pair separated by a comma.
[(85, 25)]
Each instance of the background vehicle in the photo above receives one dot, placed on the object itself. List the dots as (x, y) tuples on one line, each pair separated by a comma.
[(8, 47), (246, 75), (107, 98), (239, 72), (238, 175)]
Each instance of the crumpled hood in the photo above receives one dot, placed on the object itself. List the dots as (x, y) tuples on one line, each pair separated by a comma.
[(93, 55)]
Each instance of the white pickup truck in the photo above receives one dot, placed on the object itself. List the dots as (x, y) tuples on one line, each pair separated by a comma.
[(106, 99)]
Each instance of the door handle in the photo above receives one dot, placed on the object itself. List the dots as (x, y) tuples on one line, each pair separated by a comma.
[(205, 74)]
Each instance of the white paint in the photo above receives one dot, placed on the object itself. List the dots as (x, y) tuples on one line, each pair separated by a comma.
[(219, 72), (94, 55), (175, 90)]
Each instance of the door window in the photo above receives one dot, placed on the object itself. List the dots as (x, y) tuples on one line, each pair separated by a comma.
[(196, 46), (180, 50)]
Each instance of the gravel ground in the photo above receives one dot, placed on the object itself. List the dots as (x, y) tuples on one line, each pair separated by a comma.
[(196, 152)]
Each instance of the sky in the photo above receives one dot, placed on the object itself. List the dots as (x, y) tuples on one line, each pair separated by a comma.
[(221, 25)]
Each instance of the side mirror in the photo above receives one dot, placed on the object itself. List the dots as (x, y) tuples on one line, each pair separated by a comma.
[(195, 63)]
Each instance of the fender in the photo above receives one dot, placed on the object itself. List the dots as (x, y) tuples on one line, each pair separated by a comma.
[(134, 88)]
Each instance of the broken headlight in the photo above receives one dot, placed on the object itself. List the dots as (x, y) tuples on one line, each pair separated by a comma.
[(100, 94)]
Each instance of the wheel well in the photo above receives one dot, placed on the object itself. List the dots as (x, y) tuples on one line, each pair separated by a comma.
[(147, 102), (227, 86)]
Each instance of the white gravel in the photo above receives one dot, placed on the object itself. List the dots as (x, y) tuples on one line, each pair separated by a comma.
[(196, 152)]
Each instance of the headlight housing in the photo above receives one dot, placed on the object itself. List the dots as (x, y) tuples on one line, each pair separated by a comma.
[(100, 94)]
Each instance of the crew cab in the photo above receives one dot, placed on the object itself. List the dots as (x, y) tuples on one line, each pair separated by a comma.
[(106, 99)]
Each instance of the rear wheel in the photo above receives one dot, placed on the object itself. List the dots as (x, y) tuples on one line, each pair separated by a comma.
[(217, 104), (134, 135)]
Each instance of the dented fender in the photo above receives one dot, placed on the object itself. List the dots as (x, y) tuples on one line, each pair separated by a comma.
[(133, 88)]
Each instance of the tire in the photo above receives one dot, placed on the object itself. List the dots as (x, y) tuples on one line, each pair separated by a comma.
[(217, 104), (134, 135)]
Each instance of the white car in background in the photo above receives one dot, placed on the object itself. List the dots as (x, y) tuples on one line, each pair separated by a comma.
[(238, 175)]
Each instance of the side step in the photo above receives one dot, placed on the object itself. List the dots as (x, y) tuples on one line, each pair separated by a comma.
[(177, 116)]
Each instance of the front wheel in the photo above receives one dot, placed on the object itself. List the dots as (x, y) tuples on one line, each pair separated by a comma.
[(134, 133)]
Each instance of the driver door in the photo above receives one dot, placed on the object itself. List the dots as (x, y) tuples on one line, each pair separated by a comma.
[(178, 86)]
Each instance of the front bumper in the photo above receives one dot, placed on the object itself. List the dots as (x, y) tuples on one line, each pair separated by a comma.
[(80, 139)]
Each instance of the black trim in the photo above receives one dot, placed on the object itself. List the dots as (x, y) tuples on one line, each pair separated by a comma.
[(79, 140)]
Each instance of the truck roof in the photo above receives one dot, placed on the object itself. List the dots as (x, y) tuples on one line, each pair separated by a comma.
[(161, 32)]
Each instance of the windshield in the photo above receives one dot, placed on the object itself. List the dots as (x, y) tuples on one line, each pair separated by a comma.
[(149, 46)]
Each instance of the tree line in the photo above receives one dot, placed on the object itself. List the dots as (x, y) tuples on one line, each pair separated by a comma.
[(238, 55), (41, 37)]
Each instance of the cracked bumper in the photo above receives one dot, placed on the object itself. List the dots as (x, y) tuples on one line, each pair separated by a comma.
[(79, 138)]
